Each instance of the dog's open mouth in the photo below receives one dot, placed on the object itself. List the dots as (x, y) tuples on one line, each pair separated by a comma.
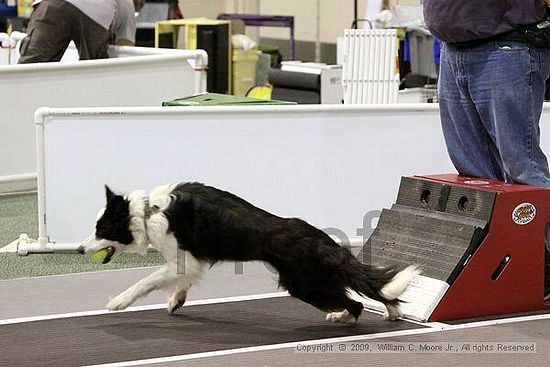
[(111, 252)]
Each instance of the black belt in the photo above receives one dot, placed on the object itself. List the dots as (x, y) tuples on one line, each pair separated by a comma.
[(529, 34), (473, 43)]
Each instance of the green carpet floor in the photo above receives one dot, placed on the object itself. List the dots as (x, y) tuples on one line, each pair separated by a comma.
[(19, 214)]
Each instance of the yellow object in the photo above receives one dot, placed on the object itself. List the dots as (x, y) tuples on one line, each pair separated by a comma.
[(243, 70), (100, 255), (260, 92), (24, 8)]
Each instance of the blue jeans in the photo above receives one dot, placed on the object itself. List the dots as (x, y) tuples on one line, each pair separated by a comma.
[(491, 99)]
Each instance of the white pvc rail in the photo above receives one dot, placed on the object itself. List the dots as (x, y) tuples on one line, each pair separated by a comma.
[(44, 117), (372, 146)]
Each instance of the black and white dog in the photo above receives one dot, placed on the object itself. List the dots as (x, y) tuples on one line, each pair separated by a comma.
[(202, 225)]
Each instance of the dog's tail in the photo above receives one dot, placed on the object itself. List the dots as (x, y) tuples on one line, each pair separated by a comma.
[(381, 284)]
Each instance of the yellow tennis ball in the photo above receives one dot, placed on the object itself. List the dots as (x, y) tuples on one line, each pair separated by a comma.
[(100, 255)]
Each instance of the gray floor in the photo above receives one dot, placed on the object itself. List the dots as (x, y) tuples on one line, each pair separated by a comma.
[(124, 336), (536, 331), (91, 291)]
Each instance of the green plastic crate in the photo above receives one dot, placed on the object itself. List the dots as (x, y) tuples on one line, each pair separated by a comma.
[(215, 99)]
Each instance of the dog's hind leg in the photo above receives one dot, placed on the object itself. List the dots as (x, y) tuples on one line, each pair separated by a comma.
[(340, 308), (343, 316), (393, 312), (351, 312)]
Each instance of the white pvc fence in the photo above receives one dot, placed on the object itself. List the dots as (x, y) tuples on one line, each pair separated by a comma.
[(332, 165), (335, 166), (370, 73), (9, 54), (135, 76)]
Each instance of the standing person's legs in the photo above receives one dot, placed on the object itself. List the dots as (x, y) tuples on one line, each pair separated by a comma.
[(507, 82), (48, 33), (470, 147)]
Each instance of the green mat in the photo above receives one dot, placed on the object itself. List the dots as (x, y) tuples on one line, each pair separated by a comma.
[(19, 214), (216, 99), (13, 266)]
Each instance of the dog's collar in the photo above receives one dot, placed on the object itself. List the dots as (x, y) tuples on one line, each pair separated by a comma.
[(148, 210)]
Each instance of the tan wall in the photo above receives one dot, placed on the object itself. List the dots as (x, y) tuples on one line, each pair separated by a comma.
[(335, 15), (205, 8)]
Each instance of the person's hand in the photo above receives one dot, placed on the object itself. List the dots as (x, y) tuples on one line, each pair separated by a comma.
[(125, 42)]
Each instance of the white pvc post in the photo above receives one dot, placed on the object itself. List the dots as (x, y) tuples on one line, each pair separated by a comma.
[(24, 246), (39, 118)]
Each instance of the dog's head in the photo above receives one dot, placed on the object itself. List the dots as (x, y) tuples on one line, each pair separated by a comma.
[(117, 229)]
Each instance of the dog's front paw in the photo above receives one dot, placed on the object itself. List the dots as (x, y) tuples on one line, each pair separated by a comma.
[(118, 303), (175, 302)]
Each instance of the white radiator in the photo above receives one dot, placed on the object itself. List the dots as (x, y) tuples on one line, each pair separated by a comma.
[(370, 73)]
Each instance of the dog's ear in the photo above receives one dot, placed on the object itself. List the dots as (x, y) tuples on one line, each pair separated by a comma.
[(109, 194), (116, 204)]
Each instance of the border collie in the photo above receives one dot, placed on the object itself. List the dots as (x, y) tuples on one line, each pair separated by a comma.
[(200, 225)]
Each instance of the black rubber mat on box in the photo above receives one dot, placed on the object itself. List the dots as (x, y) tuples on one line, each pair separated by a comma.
[(433, 225), (127, 336)]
